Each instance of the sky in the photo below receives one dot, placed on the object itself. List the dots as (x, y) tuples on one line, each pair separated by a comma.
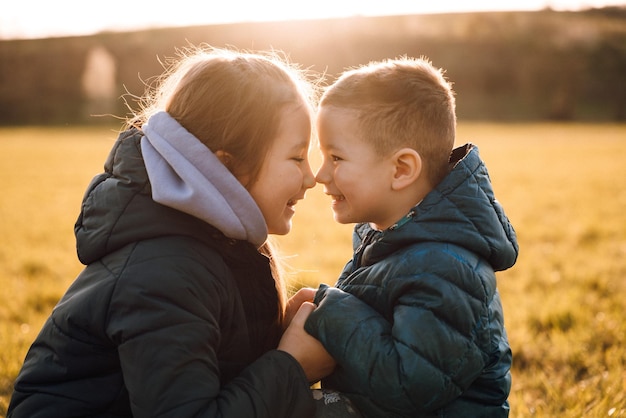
[(24, 19)]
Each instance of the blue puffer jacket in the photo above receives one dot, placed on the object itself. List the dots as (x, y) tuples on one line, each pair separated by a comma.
[(415, 321)]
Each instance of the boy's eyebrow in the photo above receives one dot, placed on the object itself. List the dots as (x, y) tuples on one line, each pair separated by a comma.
[(331, 147)]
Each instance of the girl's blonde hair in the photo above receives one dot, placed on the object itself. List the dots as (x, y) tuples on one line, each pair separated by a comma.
[(231, 101)]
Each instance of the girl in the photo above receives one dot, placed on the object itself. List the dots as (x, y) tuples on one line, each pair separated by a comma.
[(180, 311)]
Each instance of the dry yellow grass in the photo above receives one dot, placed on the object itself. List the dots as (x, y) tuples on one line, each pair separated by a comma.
[(563, 186)]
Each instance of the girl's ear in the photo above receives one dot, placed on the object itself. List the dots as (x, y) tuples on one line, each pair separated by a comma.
[(407, 168), (229, 162), (224, 157)]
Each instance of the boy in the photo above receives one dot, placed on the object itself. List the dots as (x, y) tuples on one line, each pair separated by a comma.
[(415, 321)]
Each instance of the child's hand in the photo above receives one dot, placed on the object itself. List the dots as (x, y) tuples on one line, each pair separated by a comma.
[(306, 294), (309, 352)]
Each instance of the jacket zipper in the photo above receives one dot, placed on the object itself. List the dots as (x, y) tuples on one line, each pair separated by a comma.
[(358, 254)]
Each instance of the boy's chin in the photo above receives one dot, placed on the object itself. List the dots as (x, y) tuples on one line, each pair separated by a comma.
[(340, 220)]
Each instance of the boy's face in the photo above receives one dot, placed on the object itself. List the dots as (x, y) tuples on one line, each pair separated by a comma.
[(356, 177)]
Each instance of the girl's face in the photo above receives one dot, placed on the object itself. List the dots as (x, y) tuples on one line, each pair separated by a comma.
[(286, 174), (354, 175)]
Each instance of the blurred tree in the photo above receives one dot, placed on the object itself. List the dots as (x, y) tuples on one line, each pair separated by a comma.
[(505, 66)]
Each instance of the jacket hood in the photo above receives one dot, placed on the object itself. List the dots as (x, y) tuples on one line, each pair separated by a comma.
[(461, 210), (187, 176), (118, 208)]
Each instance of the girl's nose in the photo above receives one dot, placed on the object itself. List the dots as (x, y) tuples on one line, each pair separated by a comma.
[(309, 179)]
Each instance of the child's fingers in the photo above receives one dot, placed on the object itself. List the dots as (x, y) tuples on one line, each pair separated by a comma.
[(306, 294), (303, 313)]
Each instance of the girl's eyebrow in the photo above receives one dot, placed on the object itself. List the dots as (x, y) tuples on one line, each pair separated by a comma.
[(300, 145)]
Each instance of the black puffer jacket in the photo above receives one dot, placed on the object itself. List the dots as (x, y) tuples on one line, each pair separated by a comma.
[(169, 318)]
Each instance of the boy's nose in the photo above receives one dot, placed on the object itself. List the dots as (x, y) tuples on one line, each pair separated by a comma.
[(321, 177)]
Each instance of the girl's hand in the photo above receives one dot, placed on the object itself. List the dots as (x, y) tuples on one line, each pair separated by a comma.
[(306, 294), (309, 352)]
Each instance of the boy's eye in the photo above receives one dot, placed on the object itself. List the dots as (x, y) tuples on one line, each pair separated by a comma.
[(334, 158)]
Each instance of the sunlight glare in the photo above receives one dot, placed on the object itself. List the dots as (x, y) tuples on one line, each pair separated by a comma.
[(23, 19)]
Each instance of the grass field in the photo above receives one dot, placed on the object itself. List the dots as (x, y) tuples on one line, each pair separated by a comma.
[(563, 187)]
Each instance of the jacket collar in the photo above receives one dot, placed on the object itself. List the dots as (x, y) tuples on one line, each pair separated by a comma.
[(461, 210)]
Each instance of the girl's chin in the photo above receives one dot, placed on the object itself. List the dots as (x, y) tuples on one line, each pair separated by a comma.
[(280, 229)]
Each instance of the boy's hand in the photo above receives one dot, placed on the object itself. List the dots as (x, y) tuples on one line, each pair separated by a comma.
[(306, 294), (309, 352)]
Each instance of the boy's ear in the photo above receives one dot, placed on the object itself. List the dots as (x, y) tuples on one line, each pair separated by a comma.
[(407, 168)]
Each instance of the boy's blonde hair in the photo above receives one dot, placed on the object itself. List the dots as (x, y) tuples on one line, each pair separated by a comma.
[(403, 102)]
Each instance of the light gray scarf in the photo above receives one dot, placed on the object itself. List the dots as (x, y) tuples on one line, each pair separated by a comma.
[(187, 176)]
